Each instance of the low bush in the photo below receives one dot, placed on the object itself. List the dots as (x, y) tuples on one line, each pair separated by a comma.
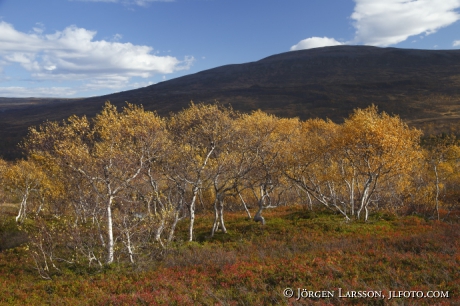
[(254, 263)]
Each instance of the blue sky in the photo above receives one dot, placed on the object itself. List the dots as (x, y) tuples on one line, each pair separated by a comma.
[(82, 48)]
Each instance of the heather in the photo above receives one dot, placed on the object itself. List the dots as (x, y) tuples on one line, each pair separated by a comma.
[(252, 264)]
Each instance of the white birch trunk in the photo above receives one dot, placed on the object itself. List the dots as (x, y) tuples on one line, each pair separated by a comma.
[(352, 197), (110, 242), (365, 197), (218, 216), (437, 190), (221, 211), (22, 208), (173, 226), (159, 230), (244, 205), (192, 213)]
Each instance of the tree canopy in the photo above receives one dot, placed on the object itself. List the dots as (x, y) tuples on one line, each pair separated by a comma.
[(117, 185)]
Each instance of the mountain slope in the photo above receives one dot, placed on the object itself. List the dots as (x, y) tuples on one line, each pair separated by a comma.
[(422, 86)]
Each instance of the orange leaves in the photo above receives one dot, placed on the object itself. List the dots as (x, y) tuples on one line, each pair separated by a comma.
[(3, 166), (202, 122), (379, 144), (27, 180), (344, 165), (380, 138), (140, 164), (443, 160)]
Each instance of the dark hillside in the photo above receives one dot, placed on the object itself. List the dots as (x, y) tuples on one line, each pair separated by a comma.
[(422, 86)]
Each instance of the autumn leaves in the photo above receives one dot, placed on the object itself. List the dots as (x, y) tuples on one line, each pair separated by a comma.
[(123, 180), (363, 161)]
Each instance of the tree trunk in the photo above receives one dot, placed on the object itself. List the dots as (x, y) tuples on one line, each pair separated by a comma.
[(128, 242), (22, 208), (216, 218), (173, 226), (110, 242), (310, 201), (192, 213), (159, 230), (365, 195), (218, 215), (244, 205), (352, 199), (258, 216), (437, 190), (221, 211)]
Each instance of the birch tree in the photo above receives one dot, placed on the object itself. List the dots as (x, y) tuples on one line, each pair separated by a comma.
[(378, 147), (310, 161), (26, 181), (263, 136), (344, 167), (110, 154), (197, 133), (442, 155)]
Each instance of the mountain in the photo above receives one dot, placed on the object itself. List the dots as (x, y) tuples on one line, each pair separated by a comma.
[(421, 86)]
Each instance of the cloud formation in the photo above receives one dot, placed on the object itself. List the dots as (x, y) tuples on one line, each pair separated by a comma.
[(388, 22), (456, 43), (73, 54), (315, 42)]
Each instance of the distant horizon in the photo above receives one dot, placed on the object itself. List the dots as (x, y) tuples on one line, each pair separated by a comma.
[(116, 92), (87, 48)]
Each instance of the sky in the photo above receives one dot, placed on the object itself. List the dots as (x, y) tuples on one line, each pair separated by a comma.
[(83, 48)]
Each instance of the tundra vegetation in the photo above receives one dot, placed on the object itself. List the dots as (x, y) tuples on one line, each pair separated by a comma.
[(127, 189)]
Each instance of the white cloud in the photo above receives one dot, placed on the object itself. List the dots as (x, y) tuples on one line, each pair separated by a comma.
[(26, 92), (65, 91), (144, 2), (388, 22), (117, 37), (73, 54), (315, 42), (128, 2), (456, 43), (40, 27)]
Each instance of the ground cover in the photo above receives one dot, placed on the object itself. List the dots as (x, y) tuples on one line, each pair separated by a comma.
[(254, 265)]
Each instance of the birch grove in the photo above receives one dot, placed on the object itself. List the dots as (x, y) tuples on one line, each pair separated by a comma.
[(114, 188)]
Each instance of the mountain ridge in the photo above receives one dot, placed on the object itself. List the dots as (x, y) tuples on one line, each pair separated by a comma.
[(421, 86)]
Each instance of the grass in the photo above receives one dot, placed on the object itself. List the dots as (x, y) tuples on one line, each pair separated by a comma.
[(252, 265)]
